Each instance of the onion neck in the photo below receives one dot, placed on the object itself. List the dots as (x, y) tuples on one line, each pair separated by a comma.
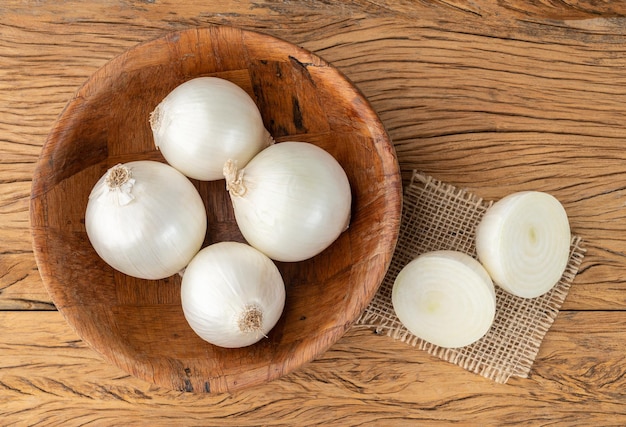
[(234, 179), (269, 139), (119, 181), (155, 119), (117, 176)]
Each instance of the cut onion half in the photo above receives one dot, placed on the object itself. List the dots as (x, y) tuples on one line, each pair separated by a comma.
[(523, 241), (446, 298)]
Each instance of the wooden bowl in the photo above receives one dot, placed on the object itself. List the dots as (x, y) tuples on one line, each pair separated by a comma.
[(138, 325)]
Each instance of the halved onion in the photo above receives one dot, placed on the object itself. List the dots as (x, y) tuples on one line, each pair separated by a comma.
[(446, 298), (523, 241)]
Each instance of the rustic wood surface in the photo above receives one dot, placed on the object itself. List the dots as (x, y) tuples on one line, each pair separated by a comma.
[(492, 96)]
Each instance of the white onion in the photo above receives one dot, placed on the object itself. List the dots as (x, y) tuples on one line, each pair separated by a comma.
[(291, 201), (145, 219), (232, 295), (523, 241), (446, 298), (204, 122)]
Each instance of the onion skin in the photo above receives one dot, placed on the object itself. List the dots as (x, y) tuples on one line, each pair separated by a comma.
[(523, 241), (291, 201), (152, 231), (232, 295), (446, 298), (204, 122)]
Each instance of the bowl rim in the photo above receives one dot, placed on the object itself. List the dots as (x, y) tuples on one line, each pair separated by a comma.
[(393, 197)]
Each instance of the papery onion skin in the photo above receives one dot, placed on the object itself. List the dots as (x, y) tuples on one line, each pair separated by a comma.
[(204, 122), (523, 240), (221, 283), (153, 232), (446, 298), (294, 203)]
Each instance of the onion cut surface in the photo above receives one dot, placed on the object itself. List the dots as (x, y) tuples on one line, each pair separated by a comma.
[(523, 241), (446, 298)]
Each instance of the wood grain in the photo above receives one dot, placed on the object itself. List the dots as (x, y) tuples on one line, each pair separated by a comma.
[(126, 319), (519, 84), (359, 381), (494, 96)]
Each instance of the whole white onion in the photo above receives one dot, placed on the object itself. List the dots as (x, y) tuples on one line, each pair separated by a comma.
[(291, 201), (204, 122), (232, 295), (145, 219)]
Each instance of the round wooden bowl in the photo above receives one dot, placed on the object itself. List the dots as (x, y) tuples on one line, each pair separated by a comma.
[(139, 325)]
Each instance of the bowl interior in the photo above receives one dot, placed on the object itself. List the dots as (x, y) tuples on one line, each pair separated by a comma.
[(138, 325)]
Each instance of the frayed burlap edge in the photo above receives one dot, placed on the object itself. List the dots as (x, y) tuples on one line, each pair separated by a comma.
[(438, 216)]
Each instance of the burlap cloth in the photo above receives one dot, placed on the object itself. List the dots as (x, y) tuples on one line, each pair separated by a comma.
[(437, 216)]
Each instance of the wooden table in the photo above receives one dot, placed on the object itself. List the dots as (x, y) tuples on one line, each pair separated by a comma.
[(522, 95)]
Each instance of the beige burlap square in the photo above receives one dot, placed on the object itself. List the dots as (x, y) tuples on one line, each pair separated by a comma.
[(437, 216)]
